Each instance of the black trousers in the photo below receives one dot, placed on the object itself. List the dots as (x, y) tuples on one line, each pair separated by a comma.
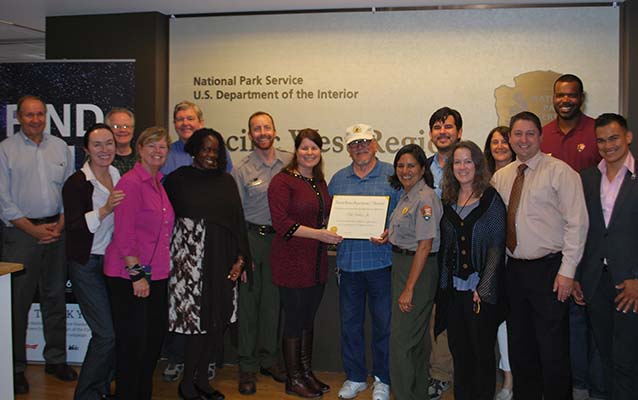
[(140, 325), (538, 327), (616, 336), (471, 338), (300, 307)]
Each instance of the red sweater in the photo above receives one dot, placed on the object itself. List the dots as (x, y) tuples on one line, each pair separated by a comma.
[(294, 201)]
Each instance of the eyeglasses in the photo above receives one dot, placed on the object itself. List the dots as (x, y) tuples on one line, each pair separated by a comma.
[(183, 119), (117, 126), (362, 142)]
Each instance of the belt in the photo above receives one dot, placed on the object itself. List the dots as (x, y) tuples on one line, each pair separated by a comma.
[(398, 250), (263, 230), (548, 257), (44, 220)]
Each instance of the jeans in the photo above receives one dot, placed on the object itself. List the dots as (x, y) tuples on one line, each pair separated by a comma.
[(89, 287), (354, 290)]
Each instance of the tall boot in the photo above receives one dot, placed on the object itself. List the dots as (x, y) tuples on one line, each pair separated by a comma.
[(295, 382), (306, 363)]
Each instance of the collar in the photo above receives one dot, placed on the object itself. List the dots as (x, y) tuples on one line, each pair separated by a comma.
[(143, 174), (579, 126), (178, 145), (279, 157), (415, 189), (435, 161), (533, 162), (26, 139), (629, 163), (372, 174), (90, 176)]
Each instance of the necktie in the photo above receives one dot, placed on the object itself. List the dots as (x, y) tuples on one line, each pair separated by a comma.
[(515, 198)]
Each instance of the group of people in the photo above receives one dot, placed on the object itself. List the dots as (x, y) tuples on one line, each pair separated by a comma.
[(478, 244)]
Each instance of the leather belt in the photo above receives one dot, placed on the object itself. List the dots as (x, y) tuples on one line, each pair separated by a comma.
[(263, 230), (44, 220), (398, 250)]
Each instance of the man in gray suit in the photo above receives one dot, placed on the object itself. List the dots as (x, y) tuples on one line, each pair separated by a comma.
[(607, 277)]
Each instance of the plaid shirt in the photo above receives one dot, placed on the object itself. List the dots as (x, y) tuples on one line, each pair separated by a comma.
[(355, 255)]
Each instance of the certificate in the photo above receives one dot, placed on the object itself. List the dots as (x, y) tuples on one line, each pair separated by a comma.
[(358, 217)]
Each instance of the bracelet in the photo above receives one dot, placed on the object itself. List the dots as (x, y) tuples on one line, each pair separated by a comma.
[(136, 272), (138, 277)]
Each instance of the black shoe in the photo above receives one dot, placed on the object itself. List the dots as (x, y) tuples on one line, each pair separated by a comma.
[(61, 371), (214, 395), (181, 396), (20, 384)]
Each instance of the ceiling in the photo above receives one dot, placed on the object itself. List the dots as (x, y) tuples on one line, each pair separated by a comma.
[(22, 23)]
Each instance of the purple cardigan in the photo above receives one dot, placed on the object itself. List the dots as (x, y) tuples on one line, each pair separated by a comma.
[(143, 226)]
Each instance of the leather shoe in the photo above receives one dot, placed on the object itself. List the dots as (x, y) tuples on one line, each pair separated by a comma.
[(214, 395), (61, 371), (247, 382), (20, 384), (274, 372)]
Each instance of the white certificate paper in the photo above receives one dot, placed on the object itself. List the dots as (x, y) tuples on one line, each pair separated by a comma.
[(358, 217)]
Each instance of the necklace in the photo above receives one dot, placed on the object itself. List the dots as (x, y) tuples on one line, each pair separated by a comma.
[(464, 204)]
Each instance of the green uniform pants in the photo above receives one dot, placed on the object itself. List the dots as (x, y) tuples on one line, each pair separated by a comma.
[(258, 310), (409, 344)]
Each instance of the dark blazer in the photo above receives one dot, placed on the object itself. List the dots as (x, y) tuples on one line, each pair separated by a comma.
[(618, 243), (77, 197)]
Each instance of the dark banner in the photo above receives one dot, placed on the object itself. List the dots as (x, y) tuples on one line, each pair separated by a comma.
[(77, 94)]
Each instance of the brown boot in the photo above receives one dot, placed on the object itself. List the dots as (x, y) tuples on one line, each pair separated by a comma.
[(306, 363), (246, 384), (295, 382)]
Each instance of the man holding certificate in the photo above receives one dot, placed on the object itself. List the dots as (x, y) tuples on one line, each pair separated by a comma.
[(364, 268)]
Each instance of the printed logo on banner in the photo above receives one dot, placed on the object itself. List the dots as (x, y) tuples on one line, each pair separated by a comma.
[(532, 91)]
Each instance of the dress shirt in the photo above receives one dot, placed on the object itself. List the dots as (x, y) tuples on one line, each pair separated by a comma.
[(577, 147), (143, 226), (101, 230), (356, 255), (552, 216), (437, 173), (408, 224), (253, 177), (178, 157), (32, 176), (609, 189)]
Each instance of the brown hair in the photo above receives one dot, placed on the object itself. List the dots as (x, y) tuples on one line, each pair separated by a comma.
[(450, 186), (313, 135)]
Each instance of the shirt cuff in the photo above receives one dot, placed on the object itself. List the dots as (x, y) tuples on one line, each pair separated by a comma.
[(92, 220), (567, 270)]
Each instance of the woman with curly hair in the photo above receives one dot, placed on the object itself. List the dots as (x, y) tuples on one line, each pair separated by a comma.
[(471, 262)]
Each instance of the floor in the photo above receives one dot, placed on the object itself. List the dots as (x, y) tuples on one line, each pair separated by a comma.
[(45, 387)]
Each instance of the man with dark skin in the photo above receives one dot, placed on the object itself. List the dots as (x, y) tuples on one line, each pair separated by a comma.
[(571, 138)]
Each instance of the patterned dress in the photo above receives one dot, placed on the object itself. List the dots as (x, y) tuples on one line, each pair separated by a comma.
[(208, 236)]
